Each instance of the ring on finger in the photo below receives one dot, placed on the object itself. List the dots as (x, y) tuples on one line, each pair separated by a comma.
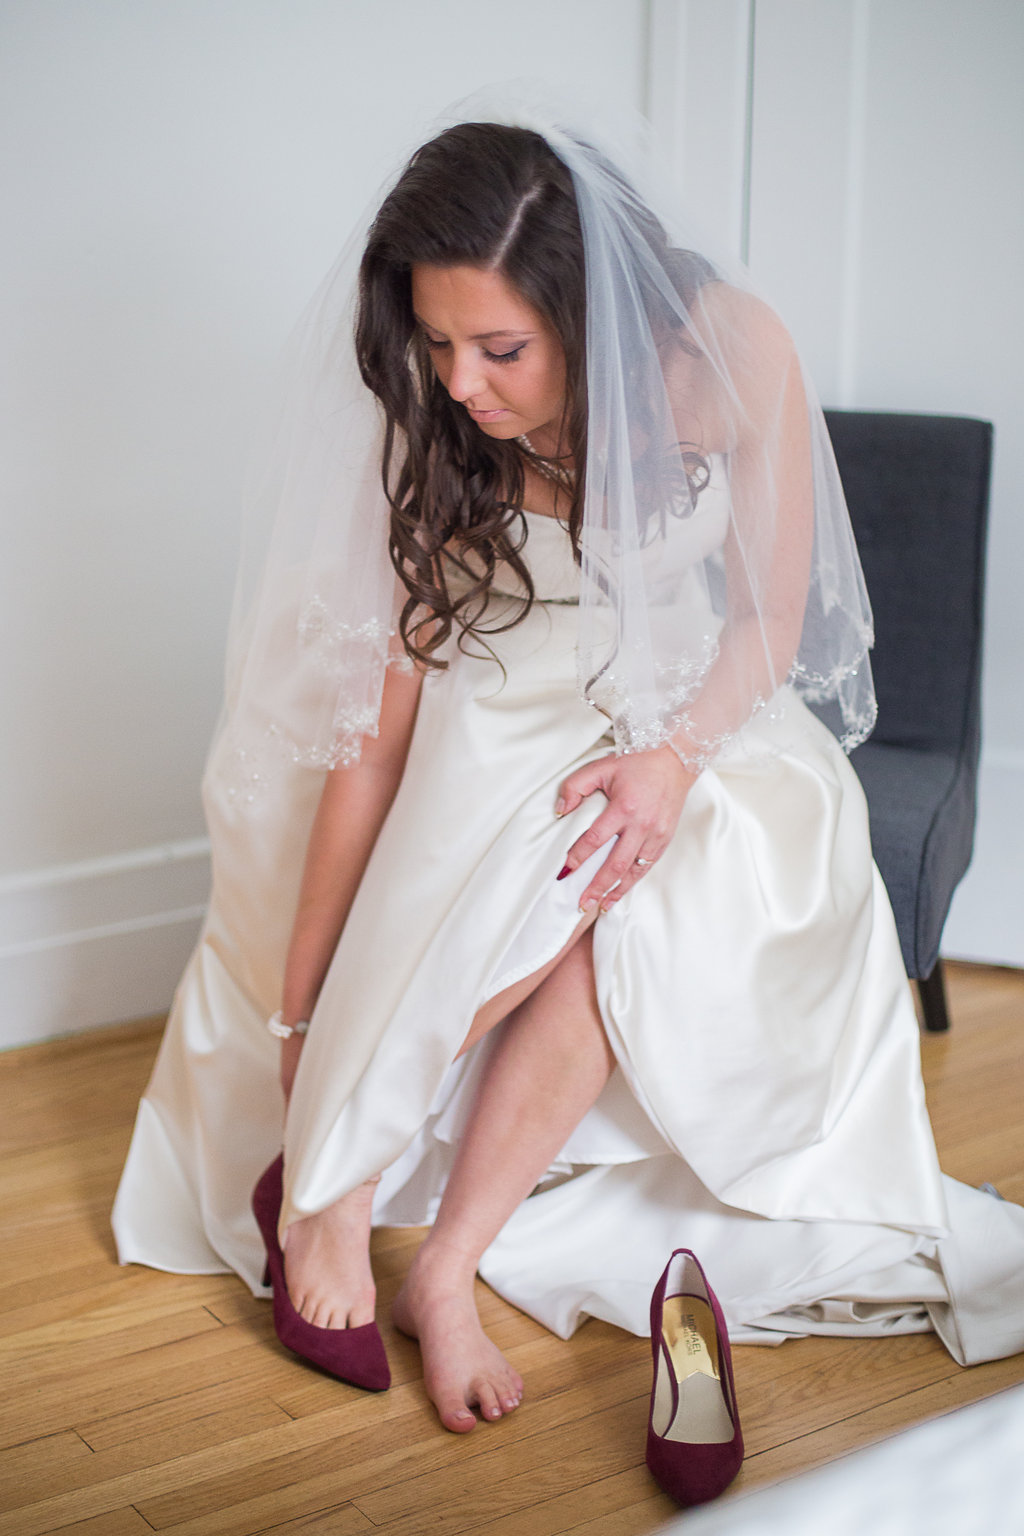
[(643, 863)]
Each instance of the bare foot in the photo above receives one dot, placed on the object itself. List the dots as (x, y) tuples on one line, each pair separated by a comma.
[(462, 1369), (327, 1262)]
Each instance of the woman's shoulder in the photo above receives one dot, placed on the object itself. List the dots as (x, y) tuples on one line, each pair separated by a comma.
[(732, 322), (726, 369)]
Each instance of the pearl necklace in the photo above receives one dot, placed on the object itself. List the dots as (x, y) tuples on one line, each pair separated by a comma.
[(556, 473)]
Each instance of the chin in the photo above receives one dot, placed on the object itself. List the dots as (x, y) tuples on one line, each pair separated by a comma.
[(500, 429)]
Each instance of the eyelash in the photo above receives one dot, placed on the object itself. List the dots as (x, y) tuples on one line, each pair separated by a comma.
[(492, 357)]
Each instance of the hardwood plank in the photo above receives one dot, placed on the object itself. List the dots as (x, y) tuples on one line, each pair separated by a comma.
[(157, 1418), (82, 1344), (152, 1376), (235, 1303), (93, 1079), (132, 1297), (36, 1461), (56, 1289), (627, 1492), (95, 1290), (339, 1520), (649, 1515), (113, 1522), (201, 1432)]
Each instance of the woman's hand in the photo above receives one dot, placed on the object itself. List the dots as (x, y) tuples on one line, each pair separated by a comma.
[(646, 792)]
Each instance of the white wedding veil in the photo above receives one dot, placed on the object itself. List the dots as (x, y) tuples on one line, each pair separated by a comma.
[(717, 560)]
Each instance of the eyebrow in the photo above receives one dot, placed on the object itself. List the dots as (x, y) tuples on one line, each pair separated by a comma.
[(480, 336)]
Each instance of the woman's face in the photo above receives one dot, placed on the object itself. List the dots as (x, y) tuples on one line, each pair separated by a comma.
[(493, 352)]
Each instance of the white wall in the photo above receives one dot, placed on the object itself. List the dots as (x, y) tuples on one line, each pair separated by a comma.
[(177, 176), (940, 327), (882, 196)]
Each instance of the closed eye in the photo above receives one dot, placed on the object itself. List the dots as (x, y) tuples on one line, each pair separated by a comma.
[(435, 344)]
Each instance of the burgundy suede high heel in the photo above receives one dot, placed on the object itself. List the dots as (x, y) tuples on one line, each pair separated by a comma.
[(355, 1355), (694, 1443)]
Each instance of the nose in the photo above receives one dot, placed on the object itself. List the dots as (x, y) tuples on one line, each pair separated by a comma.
[(465, 379)]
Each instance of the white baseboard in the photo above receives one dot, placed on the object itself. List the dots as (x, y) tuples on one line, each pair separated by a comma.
[(100, 941), (986, 922)]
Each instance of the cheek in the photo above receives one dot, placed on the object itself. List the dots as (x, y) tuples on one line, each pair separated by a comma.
[(441, 367), (554, 388), (554, 376)]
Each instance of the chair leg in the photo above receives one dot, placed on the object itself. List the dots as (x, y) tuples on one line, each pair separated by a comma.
[(932, 991)]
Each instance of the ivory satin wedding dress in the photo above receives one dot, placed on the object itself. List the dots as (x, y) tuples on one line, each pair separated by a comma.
[(767, 1110)]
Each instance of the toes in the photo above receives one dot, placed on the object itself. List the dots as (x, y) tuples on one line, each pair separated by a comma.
[(301, 1304), (454, 1415), (487, 1401), (495, 1398), (360, 1313), (324, 1314), (511, 1391)]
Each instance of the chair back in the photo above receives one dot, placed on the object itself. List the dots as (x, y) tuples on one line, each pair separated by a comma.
[(917, 489)]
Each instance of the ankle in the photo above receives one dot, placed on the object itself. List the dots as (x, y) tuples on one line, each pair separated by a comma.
[(446, 1264)]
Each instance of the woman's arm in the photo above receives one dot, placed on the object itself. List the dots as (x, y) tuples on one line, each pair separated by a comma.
[(761, 423), (353, 806), (764, 429)]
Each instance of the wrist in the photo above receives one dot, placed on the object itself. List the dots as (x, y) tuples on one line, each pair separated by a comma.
[(684, 763), (283, 1025)]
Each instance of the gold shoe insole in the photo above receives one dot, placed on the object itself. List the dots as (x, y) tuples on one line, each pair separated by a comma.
[(690, 1350)]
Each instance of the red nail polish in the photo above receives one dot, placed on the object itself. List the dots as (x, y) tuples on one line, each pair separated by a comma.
[(565, 871)]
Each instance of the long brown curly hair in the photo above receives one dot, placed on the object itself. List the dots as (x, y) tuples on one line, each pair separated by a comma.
[(494, 197)]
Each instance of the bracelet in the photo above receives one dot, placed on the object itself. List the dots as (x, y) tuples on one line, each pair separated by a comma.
[(283, 1031)]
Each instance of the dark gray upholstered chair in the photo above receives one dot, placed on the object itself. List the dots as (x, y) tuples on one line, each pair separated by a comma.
[(917, 488)]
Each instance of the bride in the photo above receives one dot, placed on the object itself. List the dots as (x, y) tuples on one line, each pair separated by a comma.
[(557, 893)]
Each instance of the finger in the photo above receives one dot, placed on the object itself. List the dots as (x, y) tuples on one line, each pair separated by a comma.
[(615, 870), (607, 825), (639, 866), (633, 876), (579, 784)]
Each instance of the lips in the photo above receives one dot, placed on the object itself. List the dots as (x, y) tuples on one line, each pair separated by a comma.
[(485, 415)]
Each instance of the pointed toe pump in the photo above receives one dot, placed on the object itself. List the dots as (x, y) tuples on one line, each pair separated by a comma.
[(355, 1355), (694, 1443)]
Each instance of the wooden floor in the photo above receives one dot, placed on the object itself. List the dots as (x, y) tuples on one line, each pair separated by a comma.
[(134, 1401)]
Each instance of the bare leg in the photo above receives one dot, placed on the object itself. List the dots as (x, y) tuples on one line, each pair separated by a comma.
[(548, 1067), (327, 1256)]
